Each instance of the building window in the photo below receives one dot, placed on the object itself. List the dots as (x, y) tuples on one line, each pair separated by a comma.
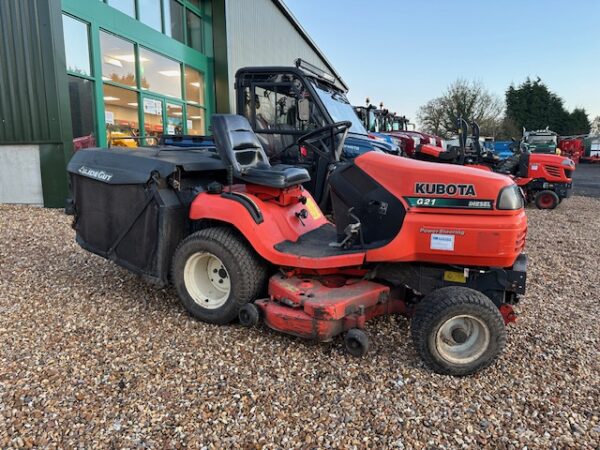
[(150, 13), (118, 60), (173, 19), (160, 74), (77, 46), (153, 119), (194, 86), (195, 120), (174, 119), (194, 31), (121, 116), (81, 98), (125, 6)]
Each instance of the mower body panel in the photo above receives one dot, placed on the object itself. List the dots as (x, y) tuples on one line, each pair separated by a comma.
[(427, 213), (277, 224)]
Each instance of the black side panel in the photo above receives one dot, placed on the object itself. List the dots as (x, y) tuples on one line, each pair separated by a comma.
[(523, 165), (136, 225), (379, 211)]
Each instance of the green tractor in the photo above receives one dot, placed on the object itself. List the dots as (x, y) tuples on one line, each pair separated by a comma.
[(540, 141)]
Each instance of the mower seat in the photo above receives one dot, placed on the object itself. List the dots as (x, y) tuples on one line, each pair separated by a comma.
[(239, 147)]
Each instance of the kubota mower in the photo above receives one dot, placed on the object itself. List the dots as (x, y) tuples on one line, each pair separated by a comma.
[(546, 179), (443, 247)]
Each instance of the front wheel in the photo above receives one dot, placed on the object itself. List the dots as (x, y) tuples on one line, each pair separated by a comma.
[(546, 200), (458, 331), (215, 273)]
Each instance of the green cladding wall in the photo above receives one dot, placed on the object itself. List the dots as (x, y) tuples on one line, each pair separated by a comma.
[(34, 98)]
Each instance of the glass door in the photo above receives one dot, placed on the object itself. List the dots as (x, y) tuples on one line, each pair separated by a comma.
[(174, 117), (153, 111)]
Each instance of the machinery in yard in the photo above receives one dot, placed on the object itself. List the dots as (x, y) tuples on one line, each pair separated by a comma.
[(540, 141), (240, 237), (546, 179), (572, 147), (591, 151), (411, 139), (283, 103)]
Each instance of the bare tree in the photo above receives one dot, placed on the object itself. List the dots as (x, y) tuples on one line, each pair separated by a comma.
[(462, 98), (431, 117)]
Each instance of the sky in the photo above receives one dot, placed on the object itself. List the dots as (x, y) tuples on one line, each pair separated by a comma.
[(405, 53)]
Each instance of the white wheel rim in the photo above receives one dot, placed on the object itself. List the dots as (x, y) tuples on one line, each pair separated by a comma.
[(462, 339), (206, 280)]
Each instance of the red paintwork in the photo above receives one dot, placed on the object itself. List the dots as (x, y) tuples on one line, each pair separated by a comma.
[(411, 139), (431, 150), (280, 224), (308, 308), (573, 148), (547, 167), (508, 314), (482, 237)]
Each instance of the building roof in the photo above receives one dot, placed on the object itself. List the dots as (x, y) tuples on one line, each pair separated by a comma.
[(288, 14)]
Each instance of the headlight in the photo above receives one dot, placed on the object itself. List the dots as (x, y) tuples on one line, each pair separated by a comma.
[(511, 197), (567, 162)]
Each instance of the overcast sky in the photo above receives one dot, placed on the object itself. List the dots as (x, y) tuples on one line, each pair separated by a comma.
[(405, 53)]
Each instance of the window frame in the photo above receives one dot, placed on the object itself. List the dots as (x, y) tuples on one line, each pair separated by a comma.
[(101, 17)]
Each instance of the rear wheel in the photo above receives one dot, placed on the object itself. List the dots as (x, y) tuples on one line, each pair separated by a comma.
[(546, 200), (215, 274), (458, 331)]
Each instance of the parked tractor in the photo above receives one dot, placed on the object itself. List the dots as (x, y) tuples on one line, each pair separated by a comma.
[(375, 122), (540, 141), (546, 179), (240, 237)]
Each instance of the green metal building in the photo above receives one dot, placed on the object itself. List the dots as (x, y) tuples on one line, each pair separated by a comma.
[(81, 73)]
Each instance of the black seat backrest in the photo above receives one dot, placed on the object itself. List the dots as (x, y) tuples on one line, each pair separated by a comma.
[(237, 144)]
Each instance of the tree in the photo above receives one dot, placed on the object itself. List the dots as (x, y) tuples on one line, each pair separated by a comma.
[(431, 117), (533, 106), (579, 122), (462, 98)]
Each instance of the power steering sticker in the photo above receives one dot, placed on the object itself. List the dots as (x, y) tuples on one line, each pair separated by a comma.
[(442, 242)]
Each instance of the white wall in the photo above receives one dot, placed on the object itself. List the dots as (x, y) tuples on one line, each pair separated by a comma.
[(20, 176), (258, 34)]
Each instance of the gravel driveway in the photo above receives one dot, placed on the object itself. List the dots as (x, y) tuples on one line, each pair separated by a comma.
[(586, 180), (91, 356)]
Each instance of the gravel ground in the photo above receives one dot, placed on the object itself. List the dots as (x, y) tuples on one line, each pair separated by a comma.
[(93, 357), (586, 180)]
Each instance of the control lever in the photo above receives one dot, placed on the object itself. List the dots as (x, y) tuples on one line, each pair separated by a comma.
[(302, 214), (352, 231)]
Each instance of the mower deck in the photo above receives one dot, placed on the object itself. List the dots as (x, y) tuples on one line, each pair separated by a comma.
[(321, 309)]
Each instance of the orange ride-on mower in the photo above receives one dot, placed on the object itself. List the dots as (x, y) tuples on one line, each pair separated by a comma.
[(243, 239), (546, 179)]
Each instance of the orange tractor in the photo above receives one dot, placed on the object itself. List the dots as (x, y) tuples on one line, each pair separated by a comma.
[(240, 238)]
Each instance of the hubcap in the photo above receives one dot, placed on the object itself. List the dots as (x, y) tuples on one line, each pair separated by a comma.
[(462, 339), (206, 280), (546, 200)]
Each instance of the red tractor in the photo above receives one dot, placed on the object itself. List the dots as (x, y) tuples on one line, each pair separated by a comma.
[(546, 179), (397, 127), (243, 239)]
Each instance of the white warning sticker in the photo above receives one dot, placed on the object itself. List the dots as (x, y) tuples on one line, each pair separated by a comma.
[(442, 242)]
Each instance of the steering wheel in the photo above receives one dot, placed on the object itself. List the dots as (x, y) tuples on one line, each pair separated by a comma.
[(311, 138)]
